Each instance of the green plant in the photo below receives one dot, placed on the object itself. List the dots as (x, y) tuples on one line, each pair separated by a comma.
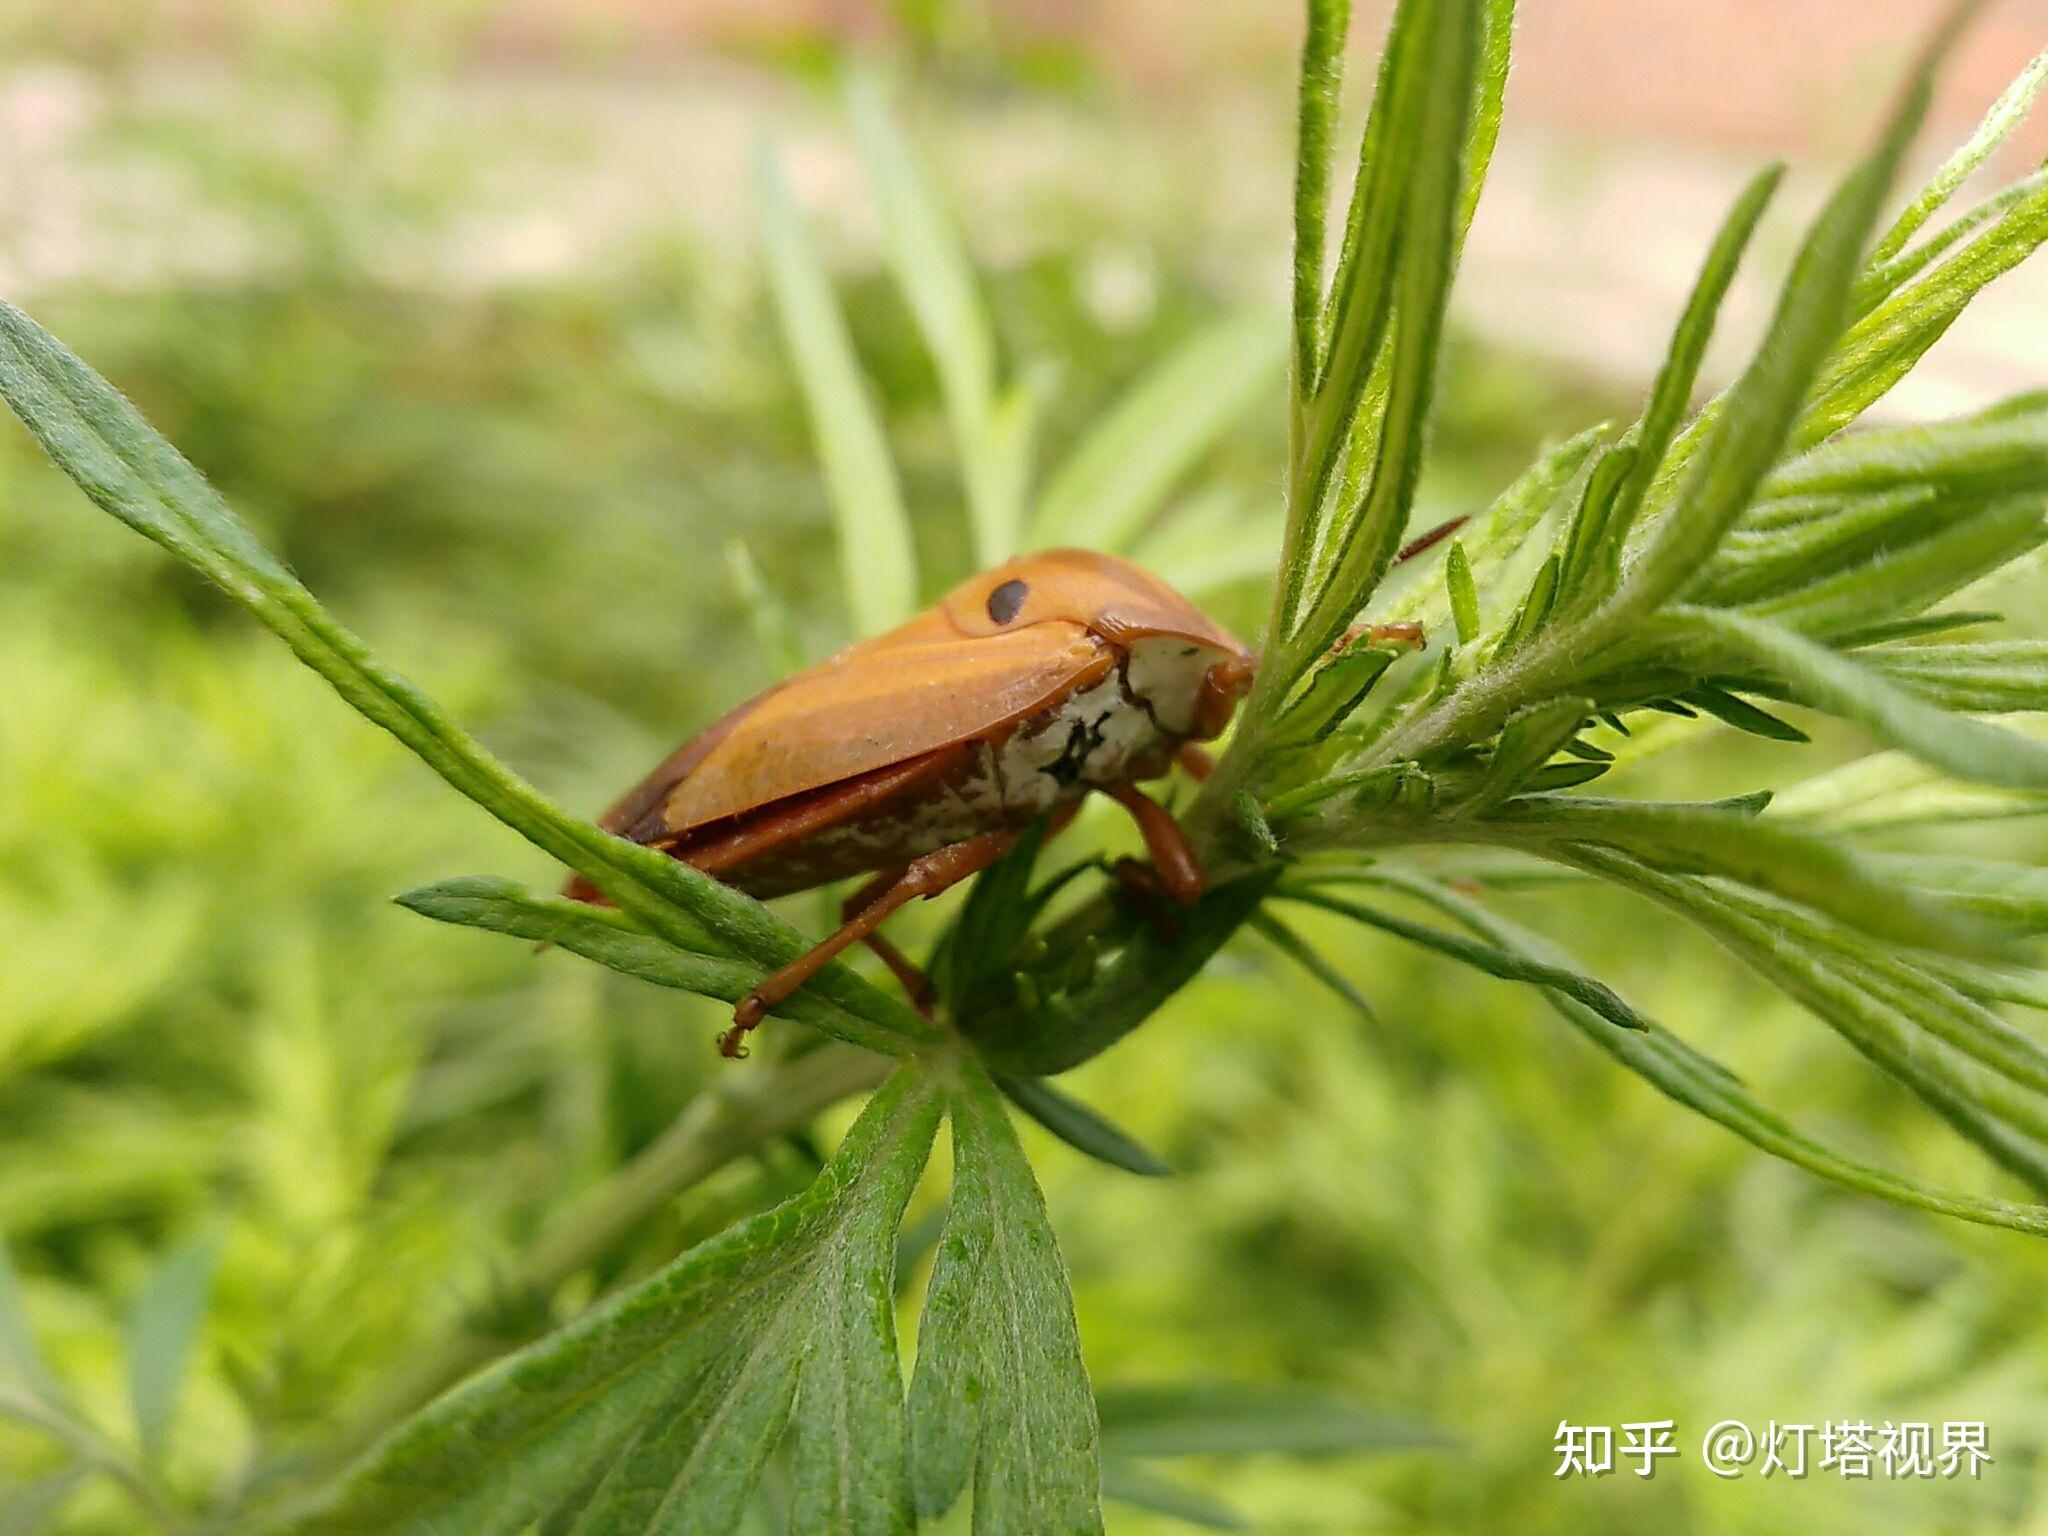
[(1757, 552)]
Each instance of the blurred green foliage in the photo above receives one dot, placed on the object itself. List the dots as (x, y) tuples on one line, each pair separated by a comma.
[(214, 1026)]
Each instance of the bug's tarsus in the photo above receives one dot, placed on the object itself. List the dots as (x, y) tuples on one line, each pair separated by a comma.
[(1139, 883), (1193, 761)]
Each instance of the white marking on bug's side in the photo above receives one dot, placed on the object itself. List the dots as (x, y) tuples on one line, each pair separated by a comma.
[(1167, 672)]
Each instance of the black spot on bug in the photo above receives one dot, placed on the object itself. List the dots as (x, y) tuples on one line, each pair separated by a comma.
[(1007, 601), (1083, 737)]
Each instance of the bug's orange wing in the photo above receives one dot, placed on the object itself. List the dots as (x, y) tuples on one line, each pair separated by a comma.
[(895, 697)]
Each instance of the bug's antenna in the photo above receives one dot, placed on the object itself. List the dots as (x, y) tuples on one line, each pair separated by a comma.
[(1423, 542)]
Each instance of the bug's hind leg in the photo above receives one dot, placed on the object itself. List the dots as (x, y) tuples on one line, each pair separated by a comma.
[(915, 983), (928, 876)]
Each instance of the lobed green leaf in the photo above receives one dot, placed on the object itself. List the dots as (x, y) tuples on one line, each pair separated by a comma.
[(671, 1394), (1000, 1392), (1080, 1127), (163, 1330), (613, 940)]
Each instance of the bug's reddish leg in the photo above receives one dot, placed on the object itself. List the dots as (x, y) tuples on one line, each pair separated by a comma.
[(1408, 633), (1180, 872), (1222, 686), (914, 981), (928, 876), (1194, 762)]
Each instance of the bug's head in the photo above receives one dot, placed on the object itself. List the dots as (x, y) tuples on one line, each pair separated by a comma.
[(1189, 670)]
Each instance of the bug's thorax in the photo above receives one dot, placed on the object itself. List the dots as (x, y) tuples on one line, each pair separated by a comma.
[(1123, 725)]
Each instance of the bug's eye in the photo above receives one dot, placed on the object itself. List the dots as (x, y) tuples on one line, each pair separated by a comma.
[(1007, 601)]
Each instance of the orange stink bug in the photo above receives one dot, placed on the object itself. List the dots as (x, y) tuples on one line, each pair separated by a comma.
[(918, 757)]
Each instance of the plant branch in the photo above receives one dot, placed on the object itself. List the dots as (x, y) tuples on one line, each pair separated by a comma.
[(96, 1450)]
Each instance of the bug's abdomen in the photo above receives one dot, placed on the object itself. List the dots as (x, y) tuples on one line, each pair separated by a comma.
[(1100, 735)]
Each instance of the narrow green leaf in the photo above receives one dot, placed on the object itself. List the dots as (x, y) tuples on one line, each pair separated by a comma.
[(1908, 1026), (1881, 279), (29, 1509), (999, 1391), (1883, 346), (1599, 562), (1994, 984), (1702, 1085), (1532, 736), (1536, 607), (1120, 474), (1761, 565), (1245, 1418), (1987, 457), (1585, 537), (1756, 417), (768, 616), (162, 1330), (1593, 993), (1334, 690), (1917, 627), (1130, 1482), (1333, 432), (1464, 595), (2015, 895), (1496, 49), (130, 472), (1557, 776), (1313, 961), (1967, 748), (677, 1388), (1889, 790), (1080, 1127), (610, 938), (1815, 871), (1320, 99), (20, 1360), (1911, 578), (993, 919), (877, 563), (937, 282), (1363, 538), (2006, 114), (1986, 675), (1730, 709)]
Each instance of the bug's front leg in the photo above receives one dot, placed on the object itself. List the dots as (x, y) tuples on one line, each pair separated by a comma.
[(928, 876), (1177, 870)]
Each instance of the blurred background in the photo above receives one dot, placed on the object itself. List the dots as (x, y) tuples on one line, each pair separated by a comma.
[(459, 302)]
